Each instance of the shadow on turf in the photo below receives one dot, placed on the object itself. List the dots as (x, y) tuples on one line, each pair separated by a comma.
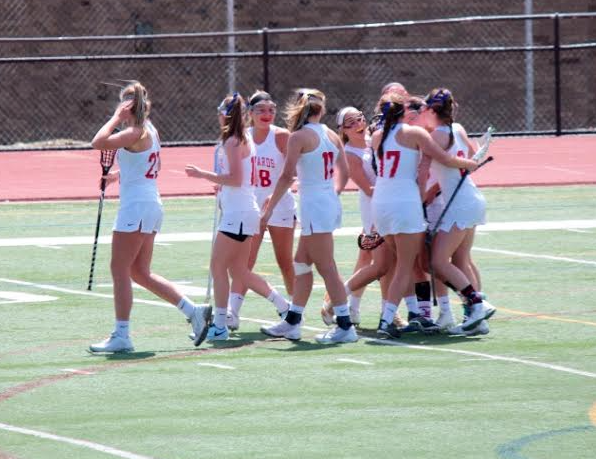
[(438, 339), (124, 355)]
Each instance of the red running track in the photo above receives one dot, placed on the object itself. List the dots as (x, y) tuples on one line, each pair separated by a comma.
[(51, 175)]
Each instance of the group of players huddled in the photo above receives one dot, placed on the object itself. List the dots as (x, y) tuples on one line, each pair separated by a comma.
[(409, 164)]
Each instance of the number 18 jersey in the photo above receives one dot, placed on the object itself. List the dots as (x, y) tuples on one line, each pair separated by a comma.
[(269, 163)]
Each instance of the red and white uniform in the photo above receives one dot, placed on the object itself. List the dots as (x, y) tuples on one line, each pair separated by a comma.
[(320, 208), (140, 202), (269, 164), (365, 155), (397, 206), (468, 208), (240, 212)]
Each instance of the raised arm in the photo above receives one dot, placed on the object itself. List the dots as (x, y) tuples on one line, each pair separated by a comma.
[(430, 148), (110, 138)]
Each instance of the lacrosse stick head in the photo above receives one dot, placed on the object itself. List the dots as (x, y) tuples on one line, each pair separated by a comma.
[(484, 142), (370, 241), (106, 160)]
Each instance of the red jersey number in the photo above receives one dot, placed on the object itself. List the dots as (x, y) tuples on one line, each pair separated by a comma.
[(328, 160), (154, 167), (264, 178), (389, 155)]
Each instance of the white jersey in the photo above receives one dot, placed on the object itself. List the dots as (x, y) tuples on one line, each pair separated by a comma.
[(469, 206), (365, 155), (269, 164), (139, 170), (398, 171), (397, 205), (239, 198), (320, 208)]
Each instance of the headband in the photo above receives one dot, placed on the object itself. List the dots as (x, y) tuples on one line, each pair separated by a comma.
[(342, 114), (230, 105), (259, 97)]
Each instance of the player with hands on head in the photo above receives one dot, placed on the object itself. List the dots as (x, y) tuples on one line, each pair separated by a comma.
[(139, 217)]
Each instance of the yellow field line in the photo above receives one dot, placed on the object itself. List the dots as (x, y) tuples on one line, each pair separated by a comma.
[(593, 414), (547, 317)]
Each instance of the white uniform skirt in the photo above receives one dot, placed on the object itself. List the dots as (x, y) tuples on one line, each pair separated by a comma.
[(284, 214), (245, 222), (465, 213), (144, 215), (320, 211)]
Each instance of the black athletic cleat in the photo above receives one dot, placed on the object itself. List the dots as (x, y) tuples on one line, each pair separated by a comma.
[(419, 323), (388, 331)]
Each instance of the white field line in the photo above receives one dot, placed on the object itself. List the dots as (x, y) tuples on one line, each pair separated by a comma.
[(579, 231), (73, 441), (386, 342), (347, 231), (216, 365), (532, 255), (357, 362), (77, 372), (561, 169)]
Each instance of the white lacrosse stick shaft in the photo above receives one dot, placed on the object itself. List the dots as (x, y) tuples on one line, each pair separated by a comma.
[(215, 221)]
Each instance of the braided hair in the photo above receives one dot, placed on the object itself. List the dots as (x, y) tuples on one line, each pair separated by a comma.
[(392, 109), (441, 101)]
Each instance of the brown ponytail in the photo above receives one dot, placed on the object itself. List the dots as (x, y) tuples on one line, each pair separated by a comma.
[(235, 123)]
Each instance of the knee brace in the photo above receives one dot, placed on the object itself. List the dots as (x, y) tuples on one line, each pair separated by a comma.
[(302, 268)]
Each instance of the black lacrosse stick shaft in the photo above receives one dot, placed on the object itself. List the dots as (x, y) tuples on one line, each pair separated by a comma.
[(106, 160)]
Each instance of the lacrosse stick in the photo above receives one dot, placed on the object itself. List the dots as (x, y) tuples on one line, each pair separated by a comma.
[(430, 235), (106, 161), (215, 221), (370, 241), (484, 143)]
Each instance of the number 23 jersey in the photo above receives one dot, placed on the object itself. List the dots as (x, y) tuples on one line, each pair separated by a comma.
[(139, 170)]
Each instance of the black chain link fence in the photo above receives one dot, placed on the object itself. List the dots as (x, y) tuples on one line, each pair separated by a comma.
[(61, 101)]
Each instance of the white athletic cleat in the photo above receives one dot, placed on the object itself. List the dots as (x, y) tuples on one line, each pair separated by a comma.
[(283, 329), (355, 315), (232, 320), (114, 343), (200, 320), (338, 335), (445, 321), (481, 329), (217, 334), (476, 315)]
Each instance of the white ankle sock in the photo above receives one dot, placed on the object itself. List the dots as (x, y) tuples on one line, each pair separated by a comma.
[(235, 301), (425, 308), (389, 312), (220, 317), (341, 310), (444, 304), (412, 304), (279, 301), (186, 306), (121, 328)]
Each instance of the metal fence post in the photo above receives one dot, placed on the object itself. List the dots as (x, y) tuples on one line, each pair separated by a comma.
[(557, 63), (265, 32)]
